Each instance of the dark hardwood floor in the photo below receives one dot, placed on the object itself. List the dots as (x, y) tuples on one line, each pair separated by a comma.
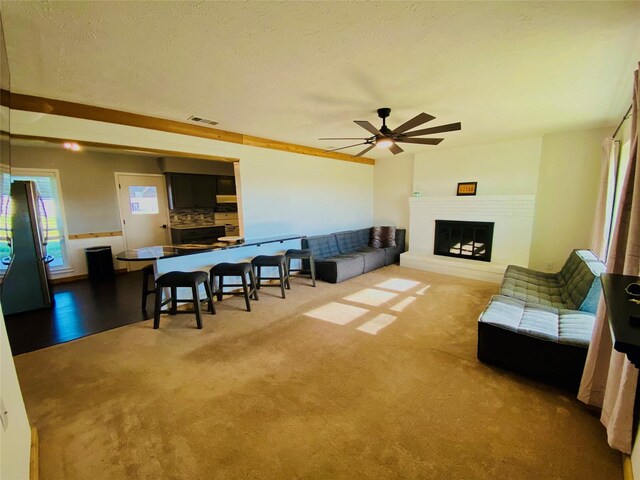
[(80, 308)]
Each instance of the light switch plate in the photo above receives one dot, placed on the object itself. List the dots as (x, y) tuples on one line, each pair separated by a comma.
[(4, 415)]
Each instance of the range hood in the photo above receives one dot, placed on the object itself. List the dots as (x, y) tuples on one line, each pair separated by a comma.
[(226, 199)]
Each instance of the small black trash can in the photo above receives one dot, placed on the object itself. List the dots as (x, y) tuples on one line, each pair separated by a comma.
[(99, 262)]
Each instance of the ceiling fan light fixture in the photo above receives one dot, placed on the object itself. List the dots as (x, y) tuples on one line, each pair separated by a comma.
[(384, 142), (384, 137)]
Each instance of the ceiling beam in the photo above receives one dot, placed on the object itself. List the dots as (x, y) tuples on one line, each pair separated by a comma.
[(124, 148), (50, 106)]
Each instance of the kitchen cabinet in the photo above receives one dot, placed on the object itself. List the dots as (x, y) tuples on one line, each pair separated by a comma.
[(204, 235), (191, 191), (204, 191), (226, 185), (180, 191)]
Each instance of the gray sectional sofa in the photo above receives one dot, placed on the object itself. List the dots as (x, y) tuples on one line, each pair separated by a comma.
[(541, 323), (343, 255)]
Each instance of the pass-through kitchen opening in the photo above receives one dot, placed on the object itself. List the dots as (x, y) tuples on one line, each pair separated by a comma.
[(203, 208)]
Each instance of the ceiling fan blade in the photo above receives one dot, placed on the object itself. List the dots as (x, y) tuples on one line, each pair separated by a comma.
[(365, 150), (414, 122), (395, 149), (422, 141), (367, 126), (449, 127), (348, 146), (342, 138)]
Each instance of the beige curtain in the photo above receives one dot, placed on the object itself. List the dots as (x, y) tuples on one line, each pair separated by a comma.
[(602, 220), (609, 380)]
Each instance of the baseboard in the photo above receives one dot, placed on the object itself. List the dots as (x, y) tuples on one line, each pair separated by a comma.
[(627, 468), (84, 276), (34, 467), (487, 272)]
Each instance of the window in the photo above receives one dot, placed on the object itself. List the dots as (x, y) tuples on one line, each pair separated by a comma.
[(623, 166), (618, 165), (5, 251), (143, 200), (52, 219)]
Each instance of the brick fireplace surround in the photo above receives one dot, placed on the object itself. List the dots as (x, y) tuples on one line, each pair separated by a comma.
[(513, 218)]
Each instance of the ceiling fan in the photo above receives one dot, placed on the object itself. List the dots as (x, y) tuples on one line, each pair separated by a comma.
[(385, 137)]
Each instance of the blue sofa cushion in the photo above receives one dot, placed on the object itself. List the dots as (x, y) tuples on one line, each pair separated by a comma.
[(323, 246), (581, 278), (563, 326), (340, 267), (363, 236), (348, 241), (531, 286), (575, 287)]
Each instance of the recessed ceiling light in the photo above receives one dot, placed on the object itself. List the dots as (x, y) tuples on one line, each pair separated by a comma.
[(73, 146), (204, 121)]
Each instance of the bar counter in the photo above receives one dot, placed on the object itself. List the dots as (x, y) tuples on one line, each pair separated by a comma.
[(158, 252), (201, 257)]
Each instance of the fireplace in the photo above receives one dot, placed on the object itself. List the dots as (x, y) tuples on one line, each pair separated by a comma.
[(470, 240)]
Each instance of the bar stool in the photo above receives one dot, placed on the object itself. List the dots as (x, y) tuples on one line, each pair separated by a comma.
[(241, 270), (174, 280), (272, 261), (303, 254), (146, 273)]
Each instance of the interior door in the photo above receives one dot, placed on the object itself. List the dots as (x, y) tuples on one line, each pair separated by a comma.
[(144, 211)]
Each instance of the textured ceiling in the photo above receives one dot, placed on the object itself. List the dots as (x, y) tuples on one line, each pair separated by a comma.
[(296, 71)]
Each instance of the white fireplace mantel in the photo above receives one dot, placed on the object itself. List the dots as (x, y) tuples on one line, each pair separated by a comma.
[(513, 218)]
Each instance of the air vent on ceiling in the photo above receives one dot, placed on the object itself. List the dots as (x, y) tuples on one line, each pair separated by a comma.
[(204, 121)]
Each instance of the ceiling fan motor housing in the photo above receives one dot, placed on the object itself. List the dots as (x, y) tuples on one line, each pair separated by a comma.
[(384, 112)]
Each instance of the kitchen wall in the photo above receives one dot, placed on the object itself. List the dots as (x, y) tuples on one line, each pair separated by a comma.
[(87, 181), (185, 216)]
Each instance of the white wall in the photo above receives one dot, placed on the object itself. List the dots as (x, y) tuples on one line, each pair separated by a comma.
[(562, 170), (293, 193), (566, 195), (393, 182), (282, 192), (504, 168), (77, 257), (15, 440)]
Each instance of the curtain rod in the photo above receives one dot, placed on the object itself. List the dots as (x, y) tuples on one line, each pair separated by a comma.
[(626, 115)]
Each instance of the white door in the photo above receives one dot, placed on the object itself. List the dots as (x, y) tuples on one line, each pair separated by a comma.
[(142, 200)]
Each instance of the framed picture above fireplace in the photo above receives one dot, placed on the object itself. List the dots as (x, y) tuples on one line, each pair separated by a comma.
[(467, 188)]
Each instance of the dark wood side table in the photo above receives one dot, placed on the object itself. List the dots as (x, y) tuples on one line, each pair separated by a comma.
[(625, 333)]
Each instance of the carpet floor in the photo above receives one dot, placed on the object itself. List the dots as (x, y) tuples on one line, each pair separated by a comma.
[(375, 377)]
